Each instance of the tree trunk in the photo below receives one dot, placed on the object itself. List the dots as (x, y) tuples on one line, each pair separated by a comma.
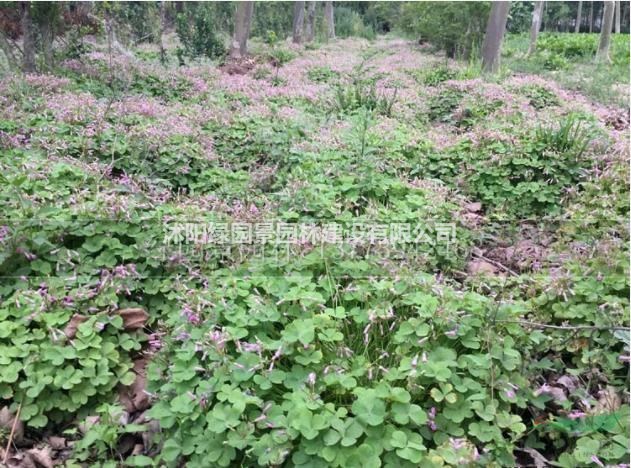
[(299, 20), (617, 24), (495, 29), (163, 21), (591, 17), (577, 27), (330, 20), (243, 19), (46, 18), (310, 24), (534, 28), (46, 30), (602, 55), (28, 39)]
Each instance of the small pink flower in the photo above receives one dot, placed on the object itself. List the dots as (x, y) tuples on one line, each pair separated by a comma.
[(597, 461), (575, 414)]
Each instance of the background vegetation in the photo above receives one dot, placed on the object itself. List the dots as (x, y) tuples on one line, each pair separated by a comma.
[(507, 347)]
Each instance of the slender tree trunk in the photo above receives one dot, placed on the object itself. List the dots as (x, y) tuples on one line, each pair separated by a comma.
[(299, 20), (163, 20), (602, 55), (310, 24), (46, 29), (330, 20), (46, 19), (617, 24), (534, 28), (577, 27), (243, 19), (28, 38), (495, 28), (591, 17)]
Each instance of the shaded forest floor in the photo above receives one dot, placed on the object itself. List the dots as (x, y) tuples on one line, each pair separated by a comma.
[(167, 293)]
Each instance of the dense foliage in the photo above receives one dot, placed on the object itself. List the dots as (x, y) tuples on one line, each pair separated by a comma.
[(139, 344), (467, 23), (196, 30)]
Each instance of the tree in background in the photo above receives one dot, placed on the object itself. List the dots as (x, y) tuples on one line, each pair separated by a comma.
[(494, 35), (329, 19), (534, 28), (382, 17), (591, 17), (163, 24), (466, 25), (243, 18), (46, 18), (577, 26), (617, 30), (28, 38), (602, 55), (520, 17), (196, 28), (298, 23), (272, 17), (310, 23)]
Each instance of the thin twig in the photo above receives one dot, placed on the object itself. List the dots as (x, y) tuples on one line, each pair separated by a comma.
[(563, 327), (13, 426), (496, 263)]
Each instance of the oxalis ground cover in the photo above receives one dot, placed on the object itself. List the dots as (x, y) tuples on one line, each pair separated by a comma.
[(493, 336)]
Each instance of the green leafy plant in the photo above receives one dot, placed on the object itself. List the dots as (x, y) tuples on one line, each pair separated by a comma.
[(540, 97), (197, 33), (322, 74), (438, 75), (442, 105)]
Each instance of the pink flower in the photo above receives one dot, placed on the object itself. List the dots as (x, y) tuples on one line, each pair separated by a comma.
[(575, 414), (190, 315), (597, 461)]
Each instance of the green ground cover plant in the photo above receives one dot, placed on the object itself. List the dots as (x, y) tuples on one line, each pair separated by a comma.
[(505, 346)]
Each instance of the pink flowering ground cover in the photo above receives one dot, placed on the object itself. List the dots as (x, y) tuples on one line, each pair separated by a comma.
[(121, 179)]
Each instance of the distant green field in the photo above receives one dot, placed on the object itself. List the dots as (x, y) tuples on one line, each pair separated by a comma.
[(569, 58), (570, 46)]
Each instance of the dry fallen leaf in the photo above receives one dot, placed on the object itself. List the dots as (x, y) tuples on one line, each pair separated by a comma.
[(21, 460), (56, 443), (7, 418), (608, 401), (41, 456), (539, 460), (133, 397), (555, 392), (473, 207), (569, 382), (134, 318), (90, 421), (153, 428), (71, 329), (480, 267)]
